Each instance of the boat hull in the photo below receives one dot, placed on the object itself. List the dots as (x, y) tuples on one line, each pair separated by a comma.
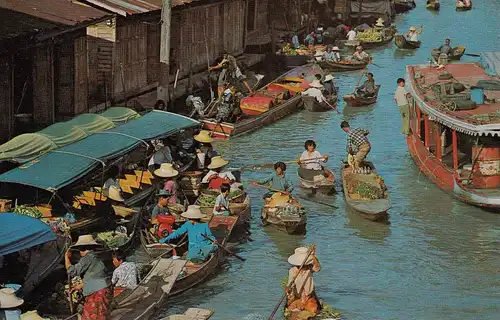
[(356, 101), (339, 66), (294, 61), (457, 53), (404, 6), (325, 186), (313, 105), (402, 43), (434, 6), (278, 217)]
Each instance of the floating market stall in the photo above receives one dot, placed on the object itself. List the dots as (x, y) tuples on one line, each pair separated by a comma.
[(297, 57)]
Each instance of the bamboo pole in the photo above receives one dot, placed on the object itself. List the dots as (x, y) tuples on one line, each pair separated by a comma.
[(166, 17)]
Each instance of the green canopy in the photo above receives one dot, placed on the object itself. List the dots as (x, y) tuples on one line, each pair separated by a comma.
[(65, 165), (26, 147)]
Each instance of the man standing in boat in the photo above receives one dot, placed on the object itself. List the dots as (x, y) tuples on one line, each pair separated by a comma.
[(357, 144), (230, 75)]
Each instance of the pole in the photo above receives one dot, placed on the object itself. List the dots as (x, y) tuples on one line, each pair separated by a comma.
[(162, 91)]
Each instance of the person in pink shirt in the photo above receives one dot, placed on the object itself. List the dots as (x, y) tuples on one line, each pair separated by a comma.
[(168, 172)]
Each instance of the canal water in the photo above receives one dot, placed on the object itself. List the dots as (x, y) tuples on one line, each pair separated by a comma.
[(437, 259)]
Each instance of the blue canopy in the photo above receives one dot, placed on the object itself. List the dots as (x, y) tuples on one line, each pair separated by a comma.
[(66, 165), (19, 232)]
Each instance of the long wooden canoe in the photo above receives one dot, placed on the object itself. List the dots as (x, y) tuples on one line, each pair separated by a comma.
[(312, 179), (353, 100), (343, 65), (313, 105), (289, 217), (455, 54), (402, 43), (401, 6), (286, 99), (371, 209), (374, 44)]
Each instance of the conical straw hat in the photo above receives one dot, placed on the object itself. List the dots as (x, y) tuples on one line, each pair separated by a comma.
[(299, 256), (115, 194), (166, 170), (8, 299), (217, 162), (203, 137), (193, 212), (85, 240)]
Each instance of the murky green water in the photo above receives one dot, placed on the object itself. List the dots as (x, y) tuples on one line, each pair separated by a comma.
[(438, 258)]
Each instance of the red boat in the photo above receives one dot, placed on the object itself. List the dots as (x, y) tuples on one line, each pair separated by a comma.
[(269, 104), (454, 139)]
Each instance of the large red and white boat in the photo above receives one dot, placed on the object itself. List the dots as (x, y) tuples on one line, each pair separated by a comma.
[(455, 142)]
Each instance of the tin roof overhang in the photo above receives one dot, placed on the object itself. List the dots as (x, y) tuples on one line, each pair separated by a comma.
[(131, 7)]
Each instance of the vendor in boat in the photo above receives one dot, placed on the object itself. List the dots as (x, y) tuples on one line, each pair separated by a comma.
[(199, 248), (311, 159), (316, 90), (230, 73), (221, 207), (9, 304), (368, 88), (445, 48), (351, 34), (162, 154), (168, 172), (336, 54), (301, 296), (215, 177), (319, 34), (225, 107), (203, 148), (379, 25), (96, 282), (197, 106), (295, 40), (276, 181), (309, 40), (329, 85), (361, 56), (357, 144), (125, 275), (413, 33), (161, 206)]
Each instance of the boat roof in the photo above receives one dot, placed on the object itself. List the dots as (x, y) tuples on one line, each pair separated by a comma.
[(482, 121), (28, 146), (20, 232), (65, 165)]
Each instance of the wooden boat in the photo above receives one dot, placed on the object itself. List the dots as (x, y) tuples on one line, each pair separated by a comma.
[(148, 298), (292, 61), (310, 179), (455, 54), (192, 314), (371, 209), (284, 213), (402, 6), (433, 5), (193, 275), (402, 43), (353, 100), (463, 7), (343, 65), (268, 105), (242, 210), (374, 44), (312, 104)]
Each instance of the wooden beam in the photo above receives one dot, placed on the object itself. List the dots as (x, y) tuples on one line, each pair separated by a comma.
[(455, 149), (426, 130), (166, 17), (419, 121), (437, 134)]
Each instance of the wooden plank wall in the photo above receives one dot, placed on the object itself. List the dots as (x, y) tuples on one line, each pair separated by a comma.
[(43, 103), (286, 13), (6, 103), (153, 52), (81, 78), (262, 26), (64, 80), (130, 63), (234, 24)]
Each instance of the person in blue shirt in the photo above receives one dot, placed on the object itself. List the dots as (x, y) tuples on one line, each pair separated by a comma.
[(199, 247), (295, 40), (277, 180)]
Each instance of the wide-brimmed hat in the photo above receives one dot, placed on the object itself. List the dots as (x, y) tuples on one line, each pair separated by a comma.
[(115, 194), (164, 193), (8, 299), (319, 53), (193, 212), (329, 77), (203, 137), (412, 28), (157, 144), (359, 48), (217, 162), (84, 241), (32, 315), (380, 22), (298, 257), (166, 170), (335, 48), (315, 84)]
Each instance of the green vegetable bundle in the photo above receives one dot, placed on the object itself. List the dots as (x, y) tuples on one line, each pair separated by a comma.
[(28, 211)]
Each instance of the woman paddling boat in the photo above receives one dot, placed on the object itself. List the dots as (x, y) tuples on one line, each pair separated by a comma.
[(312, 173)]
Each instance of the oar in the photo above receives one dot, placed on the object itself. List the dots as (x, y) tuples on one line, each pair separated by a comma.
[(271, 165), (334, 108), (292, 283), (359, 81), (294, 195), (224, 248), (472, 55)]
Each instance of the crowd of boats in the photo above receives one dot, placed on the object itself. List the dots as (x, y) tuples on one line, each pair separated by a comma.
[(119, 178)]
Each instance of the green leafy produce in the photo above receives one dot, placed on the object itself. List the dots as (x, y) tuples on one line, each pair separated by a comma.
[(28, 211)]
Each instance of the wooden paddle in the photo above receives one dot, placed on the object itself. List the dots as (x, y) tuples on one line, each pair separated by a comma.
[(271, 165), (224, 248), (292, 283), (334, 108), (472, 55), (255, 184)]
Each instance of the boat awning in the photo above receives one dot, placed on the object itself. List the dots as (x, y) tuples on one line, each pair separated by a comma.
[(29, 146), (19, 232), (449, 121), (490, 61), (63, 166)]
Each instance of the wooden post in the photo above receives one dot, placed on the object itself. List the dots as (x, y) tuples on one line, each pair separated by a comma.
[(166, 17), (426, 130), (455, 149), (273, 38), (437, 134), (360, 11), (419, 121)]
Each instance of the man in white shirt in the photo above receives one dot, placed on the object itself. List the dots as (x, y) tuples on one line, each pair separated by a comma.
[(412, 35), (351, 35), (401, 98)]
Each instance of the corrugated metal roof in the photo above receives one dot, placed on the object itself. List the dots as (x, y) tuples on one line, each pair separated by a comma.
[(62, 12), (130, 7)]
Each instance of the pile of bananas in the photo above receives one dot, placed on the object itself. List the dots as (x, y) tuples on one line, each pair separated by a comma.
[(370, 35), (28, 211), (290, 51)]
